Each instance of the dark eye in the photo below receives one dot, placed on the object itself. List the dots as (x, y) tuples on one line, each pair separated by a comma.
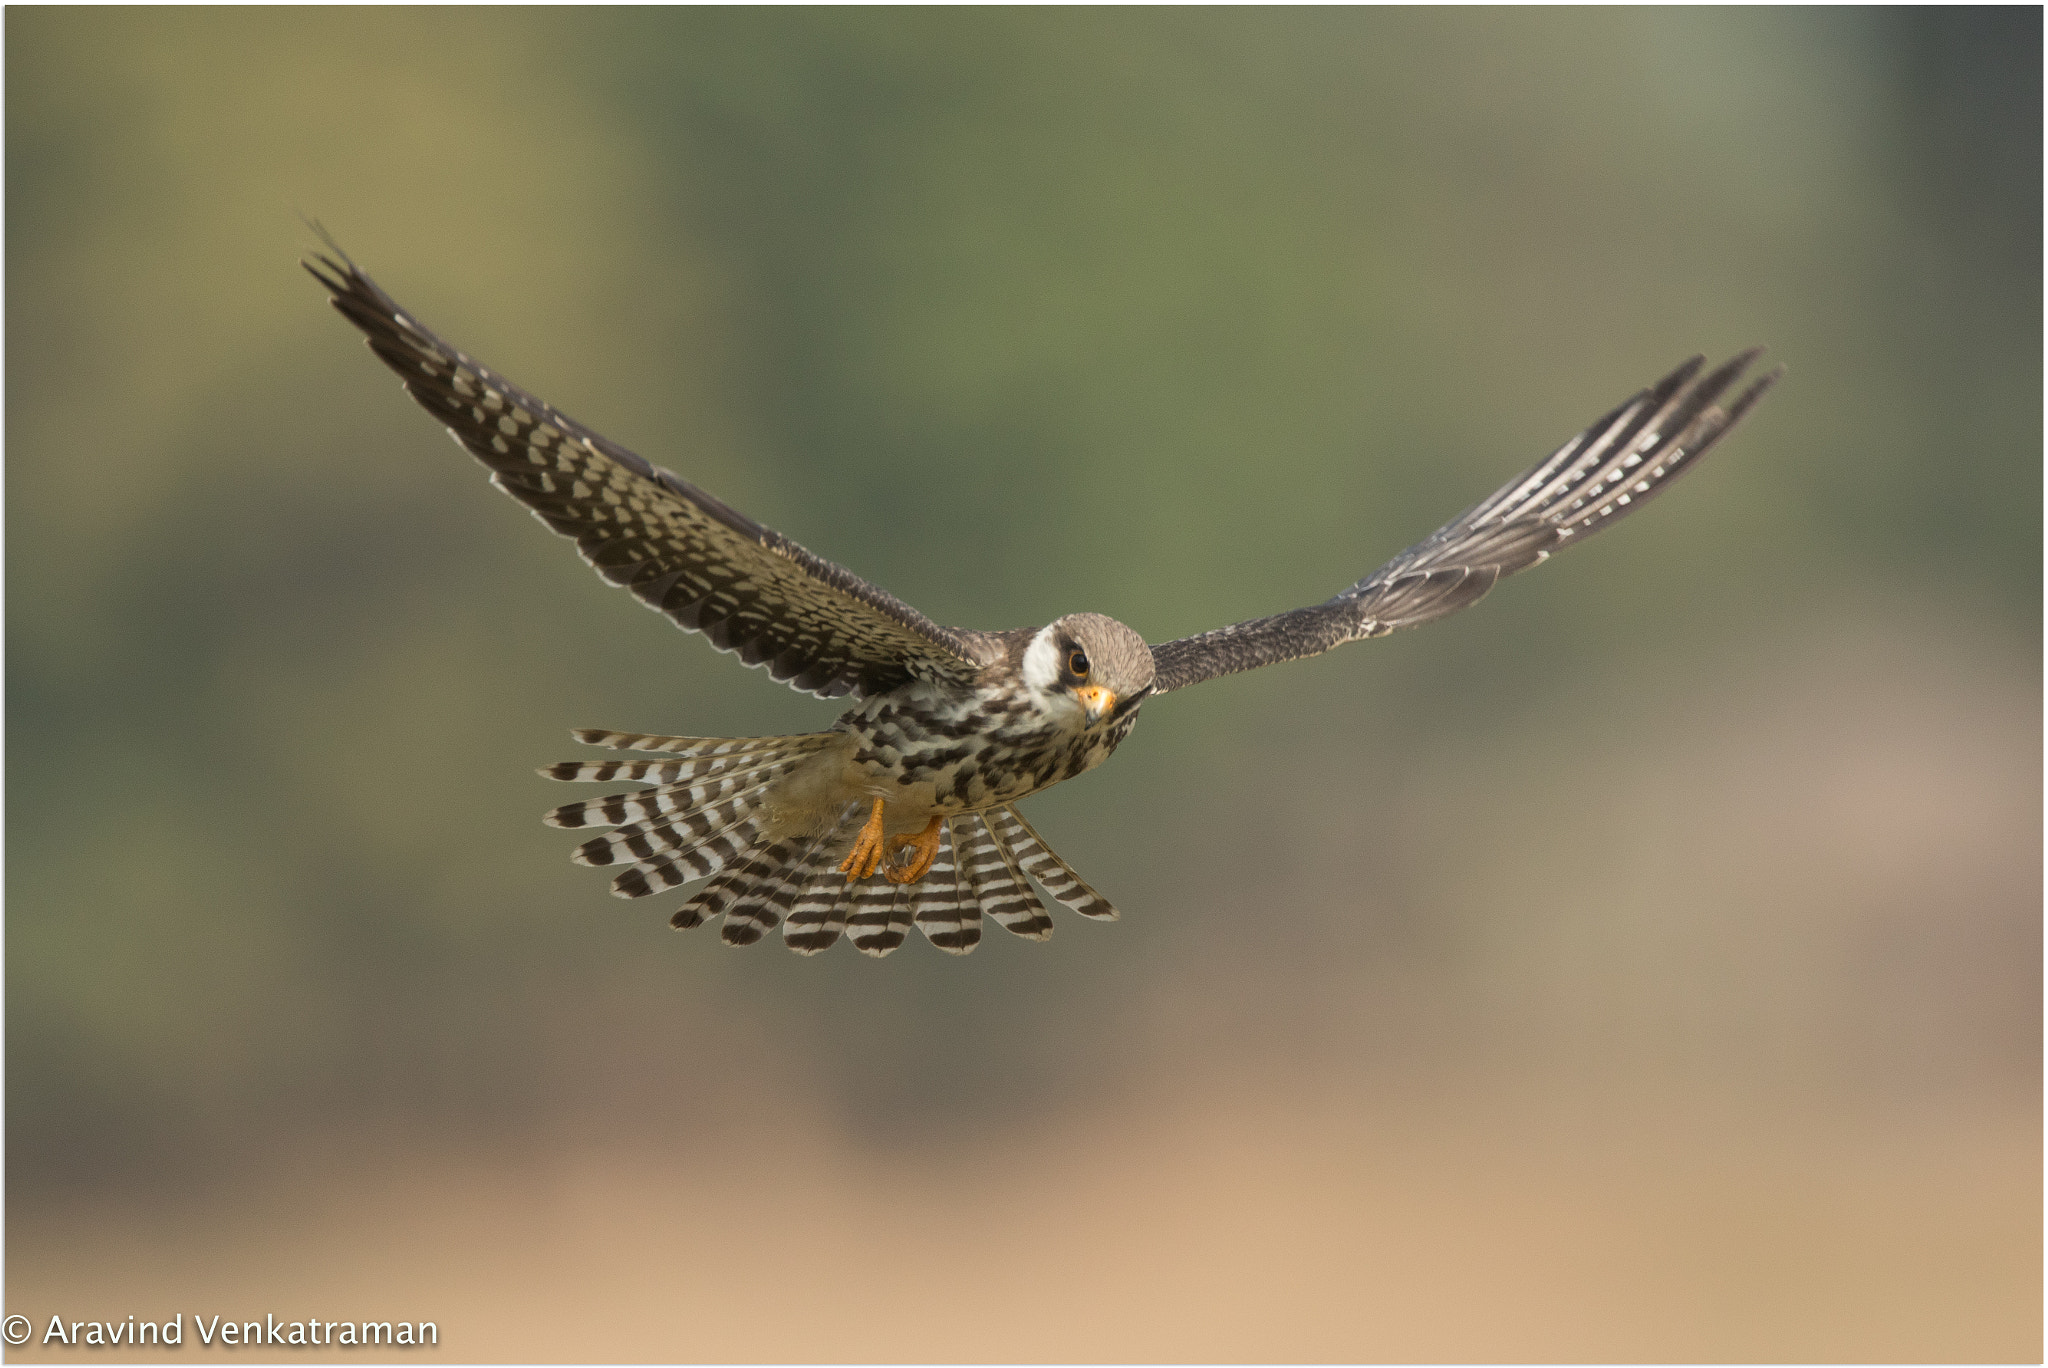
[(1077, 665)]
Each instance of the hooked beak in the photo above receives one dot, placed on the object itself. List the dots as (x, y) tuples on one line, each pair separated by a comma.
[(1131, 703), (1096, 701)]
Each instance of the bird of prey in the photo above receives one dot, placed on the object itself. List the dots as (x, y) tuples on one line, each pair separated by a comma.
[(904, 813)]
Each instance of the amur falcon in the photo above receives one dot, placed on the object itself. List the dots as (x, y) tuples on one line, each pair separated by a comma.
[(904, 813)]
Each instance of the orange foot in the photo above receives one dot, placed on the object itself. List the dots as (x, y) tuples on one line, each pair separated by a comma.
[(867, 848), (926, 843)]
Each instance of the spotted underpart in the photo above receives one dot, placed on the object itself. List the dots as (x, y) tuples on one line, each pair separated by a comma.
[(973, 751)]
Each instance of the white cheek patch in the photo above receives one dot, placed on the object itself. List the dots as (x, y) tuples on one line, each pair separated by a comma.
[(1041, 663)]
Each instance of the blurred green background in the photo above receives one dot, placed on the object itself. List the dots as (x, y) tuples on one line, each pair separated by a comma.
[(1643, 965)]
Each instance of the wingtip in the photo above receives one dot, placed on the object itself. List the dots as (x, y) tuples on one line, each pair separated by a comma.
[(1680, 375), (1757, 388), (1726, 373), (319, 230), (335, 283), (337, 261)]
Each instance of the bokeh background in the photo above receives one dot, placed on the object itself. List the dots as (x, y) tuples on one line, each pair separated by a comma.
[(1643, 965)]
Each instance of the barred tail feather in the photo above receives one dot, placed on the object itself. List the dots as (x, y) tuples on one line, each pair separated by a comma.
[(703, 818), (825, 897), (757, 896), (729, 888), (673, 870), (1055, 875), (753, 894), (820, 913), (999, 888), (942, 907), (697, 747), (654, 771), (692, 810), (772, 898), (880, 918), (651, 839), (672, 799)]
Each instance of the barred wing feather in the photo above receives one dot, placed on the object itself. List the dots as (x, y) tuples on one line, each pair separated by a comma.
[(1593, 481), (750, 590)]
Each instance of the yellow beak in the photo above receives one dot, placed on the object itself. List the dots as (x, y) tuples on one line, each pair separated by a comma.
[(1096, 700)]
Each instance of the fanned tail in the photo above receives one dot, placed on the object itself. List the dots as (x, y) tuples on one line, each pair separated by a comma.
[(703, 818), (703, 815), (983, 868)]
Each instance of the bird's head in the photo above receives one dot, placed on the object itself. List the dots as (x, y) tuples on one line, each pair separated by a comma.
[(1088, 667)]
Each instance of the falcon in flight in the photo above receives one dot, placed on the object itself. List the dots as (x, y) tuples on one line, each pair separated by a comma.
[(904, 813)]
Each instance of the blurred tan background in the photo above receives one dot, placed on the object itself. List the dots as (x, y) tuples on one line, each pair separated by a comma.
[(1643, 965)]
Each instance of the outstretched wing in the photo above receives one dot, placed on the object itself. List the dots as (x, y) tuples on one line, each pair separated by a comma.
[(711, 569), (1600, 476)]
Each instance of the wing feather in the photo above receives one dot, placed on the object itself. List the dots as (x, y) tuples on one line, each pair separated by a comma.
[(1593, 481), (681, 551)]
